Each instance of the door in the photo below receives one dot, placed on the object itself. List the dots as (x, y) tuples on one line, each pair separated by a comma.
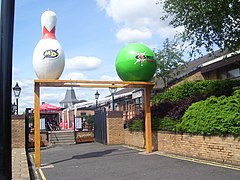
[(100, 126)]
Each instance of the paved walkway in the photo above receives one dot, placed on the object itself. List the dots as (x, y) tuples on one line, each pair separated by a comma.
[(114, 162), (19, 164)]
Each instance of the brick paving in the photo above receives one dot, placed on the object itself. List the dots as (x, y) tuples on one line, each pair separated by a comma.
[(19, 164)]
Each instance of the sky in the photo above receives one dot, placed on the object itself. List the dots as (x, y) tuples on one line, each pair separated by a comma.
[(91, 33)]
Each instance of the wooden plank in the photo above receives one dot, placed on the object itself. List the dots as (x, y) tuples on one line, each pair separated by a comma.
[(148, 128), (92, 83), (37, 124)]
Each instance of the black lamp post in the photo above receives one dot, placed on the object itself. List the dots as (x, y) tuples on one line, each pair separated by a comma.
[(113, 91), (96, 97), (14, 108), (17, 91)]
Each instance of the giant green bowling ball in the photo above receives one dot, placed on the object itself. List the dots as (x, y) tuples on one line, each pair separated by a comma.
[(135, 62)]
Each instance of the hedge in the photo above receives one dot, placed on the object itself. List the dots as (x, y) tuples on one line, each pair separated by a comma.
[(213, 116)]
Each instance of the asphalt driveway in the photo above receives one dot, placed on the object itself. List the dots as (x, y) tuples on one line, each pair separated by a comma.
[(92, 161)]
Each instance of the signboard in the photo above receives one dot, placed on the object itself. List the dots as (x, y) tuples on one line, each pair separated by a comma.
[(42, 124), (78, 123)]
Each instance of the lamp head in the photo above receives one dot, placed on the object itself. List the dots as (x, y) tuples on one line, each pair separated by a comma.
[(97, 95), (16, 90)]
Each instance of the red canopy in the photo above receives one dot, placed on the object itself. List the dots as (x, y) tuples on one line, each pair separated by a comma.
[(48, 107)]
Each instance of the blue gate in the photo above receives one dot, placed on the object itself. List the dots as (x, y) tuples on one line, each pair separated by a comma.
[(100, 126)]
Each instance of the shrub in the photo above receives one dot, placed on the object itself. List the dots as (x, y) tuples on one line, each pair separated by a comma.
[(213, 116), (204, 88), (173, 110), (160, 110), (167, 124), (136, 125)]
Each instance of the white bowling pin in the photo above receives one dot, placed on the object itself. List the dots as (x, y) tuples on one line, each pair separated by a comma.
[(48, 55)]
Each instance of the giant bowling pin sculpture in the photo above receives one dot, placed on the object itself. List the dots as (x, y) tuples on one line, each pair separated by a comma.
[(48, 55)]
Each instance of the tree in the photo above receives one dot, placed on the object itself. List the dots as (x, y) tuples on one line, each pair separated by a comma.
[(169, 60), (206, 23)]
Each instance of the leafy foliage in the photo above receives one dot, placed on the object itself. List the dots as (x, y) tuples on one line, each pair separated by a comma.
[(136, 123), (90, 119), (169, 58), (206, 23), (179, 107), (160, 110), (204, 88), (213, 116), (172, 106), (167, 124)]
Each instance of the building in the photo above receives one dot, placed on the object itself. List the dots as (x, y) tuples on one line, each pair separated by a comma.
[(218, 65), (70, 99)]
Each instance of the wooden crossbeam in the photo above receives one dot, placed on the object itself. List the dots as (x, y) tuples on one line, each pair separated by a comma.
[(90, 84)]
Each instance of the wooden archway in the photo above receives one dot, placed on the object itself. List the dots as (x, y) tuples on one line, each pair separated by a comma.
[(90, 84)]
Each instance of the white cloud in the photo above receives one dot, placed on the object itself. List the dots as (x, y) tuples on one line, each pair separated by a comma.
[(133, 35), (109, 78), (133, 12), (53, 97), (83, 63), (137, 15), (102, 3), (74, 76)]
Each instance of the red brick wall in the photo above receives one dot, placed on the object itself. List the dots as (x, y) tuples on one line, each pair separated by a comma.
[(194, 77), (43, 139), (18, 131), (214, 148), (115, 127), (137, 139), (220, 149)]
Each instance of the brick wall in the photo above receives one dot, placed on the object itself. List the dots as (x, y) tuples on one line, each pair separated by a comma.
[(137, 139), (43, 139), (115, 127), (214, 148), (18, 131), (220, 149), (194, 77)]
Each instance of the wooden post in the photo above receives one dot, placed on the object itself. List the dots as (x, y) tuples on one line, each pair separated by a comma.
[(148, 128), (37, 124)]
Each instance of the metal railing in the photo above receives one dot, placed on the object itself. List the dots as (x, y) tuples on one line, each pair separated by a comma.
[(51, 130)]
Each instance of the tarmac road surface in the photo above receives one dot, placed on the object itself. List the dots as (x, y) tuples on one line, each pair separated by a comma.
[(90, 161)]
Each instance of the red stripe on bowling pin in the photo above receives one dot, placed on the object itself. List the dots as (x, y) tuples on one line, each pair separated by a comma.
[(47, 34)]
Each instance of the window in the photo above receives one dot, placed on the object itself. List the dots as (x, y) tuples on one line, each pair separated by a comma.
[(234, 73), (83, 113), (138, 105)]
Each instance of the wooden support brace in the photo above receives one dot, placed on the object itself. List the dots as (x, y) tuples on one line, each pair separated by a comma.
[(37, 125), (148, 128)]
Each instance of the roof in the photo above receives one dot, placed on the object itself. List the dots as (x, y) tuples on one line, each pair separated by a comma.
[(70, 97), (92, 104), (193, 66), (125, 91)]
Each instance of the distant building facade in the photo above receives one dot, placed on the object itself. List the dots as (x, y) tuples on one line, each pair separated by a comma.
[(70, 99), (220, 65)]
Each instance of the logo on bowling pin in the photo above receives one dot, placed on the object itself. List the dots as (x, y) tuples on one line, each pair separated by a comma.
[(48, 55)]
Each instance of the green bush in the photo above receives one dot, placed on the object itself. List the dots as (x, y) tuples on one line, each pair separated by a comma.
[(136, 125), (213, 116), (195, 88), (167, 124)]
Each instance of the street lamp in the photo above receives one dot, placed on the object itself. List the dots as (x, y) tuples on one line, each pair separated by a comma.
[(14, 108), (17, 91), (96, 97), (113, 91)]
